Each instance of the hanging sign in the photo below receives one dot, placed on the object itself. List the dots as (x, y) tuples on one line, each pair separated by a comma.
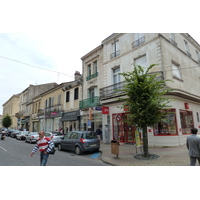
[(118, 117), (105, 110)]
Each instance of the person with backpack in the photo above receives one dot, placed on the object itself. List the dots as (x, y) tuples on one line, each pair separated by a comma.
[(45, 145)]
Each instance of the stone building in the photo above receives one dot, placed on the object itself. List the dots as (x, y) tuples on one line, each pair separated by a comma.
[(177, 56)]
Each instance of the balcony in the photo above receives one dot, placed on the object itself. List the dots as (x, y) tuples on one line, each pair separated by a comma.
[(112, 91), (188, 53), (92, 76), (173, 42), (115, 54), (138, 42), (90, 102)]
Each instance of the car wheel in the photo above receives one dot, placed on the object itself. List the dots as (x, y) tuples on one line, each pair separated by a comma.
[(59, 147), (78, 150)]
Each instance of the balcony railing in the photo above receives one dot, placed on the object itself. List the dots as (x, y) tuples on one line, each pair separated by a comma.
[(115, 54), (172, 41), (112, 90), (188, 53), (138, 42), (92, 76), (90, 102)]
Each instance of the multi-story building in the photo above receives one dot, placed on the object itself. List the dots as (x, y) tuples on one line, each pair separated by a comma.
[(57, 107), (177, 56), (72, 93), (25, 99), (90, 106), (10, 107)]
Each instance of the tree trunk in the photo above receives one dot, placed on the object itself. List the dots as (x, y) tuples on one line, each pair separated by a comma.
[(145, 142)]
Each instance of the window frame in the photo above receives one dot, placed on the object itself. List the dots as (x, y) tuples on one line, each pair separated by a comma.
[(67, 96)]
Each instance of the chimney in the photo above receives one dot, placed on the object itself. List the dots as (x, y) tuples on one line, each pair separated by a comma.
[(77, 75)]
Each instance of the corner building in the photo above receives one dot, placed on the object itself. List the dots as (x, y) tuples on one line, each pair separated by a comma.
[(178, 59)]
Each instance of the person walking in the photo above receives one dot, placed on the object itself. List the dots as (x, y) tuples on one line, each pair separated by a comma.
[(99, 132), (193, 145), (44, 145)]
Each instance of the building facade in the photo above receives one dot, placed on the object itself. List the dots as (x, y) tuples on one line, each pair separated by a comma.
[(177, 59), (11, 107)]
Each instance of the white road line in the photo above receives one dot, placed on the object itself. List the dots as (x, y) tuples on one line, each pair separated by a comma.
[(3, 149)]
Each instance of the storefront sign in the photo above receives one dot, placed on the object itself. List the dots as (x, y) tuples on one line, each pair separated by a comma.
[(105, 110), (187, 106), (97, 108), (125, 108), (118, 117), (70, 116), (54, 113)]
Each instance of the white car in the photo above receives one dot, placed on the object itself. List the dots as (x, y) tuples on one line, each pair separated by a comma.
[(32, 137), (55, 136)]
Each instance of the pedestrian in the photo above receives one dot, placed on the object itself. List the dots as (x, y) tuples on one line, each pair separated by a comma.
[(99, 132), (45, 145), (193, 145)]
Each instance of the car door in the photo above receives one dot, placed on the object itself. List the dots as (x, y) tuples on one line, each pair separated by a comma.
[(73, 141), (65, 142)]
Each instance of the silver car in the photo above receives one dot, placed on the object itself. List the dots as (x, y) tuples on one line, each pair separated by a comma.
[(80, 141), (21, 135), (55, 136), (32, 137)]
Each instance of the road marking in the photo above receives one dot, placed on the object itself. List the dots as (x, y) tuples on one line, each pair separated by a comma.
[(3, 149), (95, 155)]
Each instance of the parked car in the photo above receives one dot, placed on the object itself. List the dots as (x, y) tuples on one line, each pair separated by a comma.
[(14, 133), (21, 135), (55, 136), (8, 133), (80, 141), (31, 137)]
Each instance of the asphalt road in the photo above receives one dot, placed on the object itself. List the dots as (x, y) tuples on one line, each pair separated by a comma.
[(17, 153)]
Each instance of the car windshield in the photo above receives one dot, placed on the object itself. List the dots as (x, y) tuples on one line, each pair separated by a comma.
[(34, 133), (90, 135), (57, 133)]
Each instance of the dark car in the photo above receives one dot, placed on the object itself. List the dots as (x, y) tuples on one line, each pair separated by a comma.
[(14, 134), (8, 133), (80, 141)]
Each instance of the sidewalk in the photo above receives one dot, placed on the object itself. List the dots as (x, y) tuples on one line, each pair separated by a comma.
[(168, 156)]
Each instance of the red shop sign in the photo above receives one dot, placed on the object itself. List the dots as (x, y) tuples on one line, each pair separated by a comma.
[(118, 117), (105, 110), (187, 106)]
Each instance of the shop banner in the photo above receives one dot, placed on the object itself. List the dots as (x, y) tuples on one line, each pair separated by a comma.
[(137, 138), (105, 110)]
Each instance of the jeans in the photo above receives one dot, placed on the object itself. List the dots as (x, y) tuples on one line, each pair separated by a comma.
[(43, 158), (193, 161)]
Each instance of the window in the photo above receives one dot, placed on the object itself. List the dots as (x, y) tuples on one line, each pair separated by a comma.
[(75, 93), (67, 96), (186, 121), (168, 124), (116, 75), (172, 39), (115, 50), (138, 39), (176, 71), (198, 56), (59, 99), (89, 70), (187, 50), (92, 95), (95, 67), (142, 61)]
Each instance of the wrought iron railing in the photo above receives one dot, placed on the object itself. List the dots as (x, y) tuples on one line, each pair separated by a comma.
[(172, 41), (90, 102), (92, 76), (114, 54), (112, 90), (138, 42)]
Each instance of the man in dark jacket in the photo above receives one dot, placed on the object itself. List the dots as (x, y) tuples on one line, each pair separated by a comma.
[(193, 145), (99, 132)]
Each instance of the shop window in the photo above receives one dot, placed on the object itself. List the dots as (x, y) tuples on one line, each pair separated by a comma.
[(168, 125), (186, 121)]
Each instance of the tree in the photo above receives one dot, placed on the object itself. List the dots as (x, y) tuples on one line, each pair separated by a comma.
[(145, 100), (7, 121)]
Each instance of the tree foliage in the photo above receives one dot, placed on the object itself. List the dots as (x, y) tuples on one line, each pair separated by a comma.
[(7, 121), (145, 100)]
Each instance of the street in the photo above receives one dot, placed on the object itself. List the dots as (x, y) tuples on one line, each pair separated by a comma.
[(17, 153)]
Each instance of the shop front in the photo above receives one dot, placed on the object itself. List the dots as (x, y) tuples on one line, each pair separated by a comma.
[(71, 121)]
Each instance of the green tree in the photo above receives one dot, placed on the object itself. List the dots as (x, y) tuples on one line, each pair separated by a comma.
[(145, 100), (7, 121)]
